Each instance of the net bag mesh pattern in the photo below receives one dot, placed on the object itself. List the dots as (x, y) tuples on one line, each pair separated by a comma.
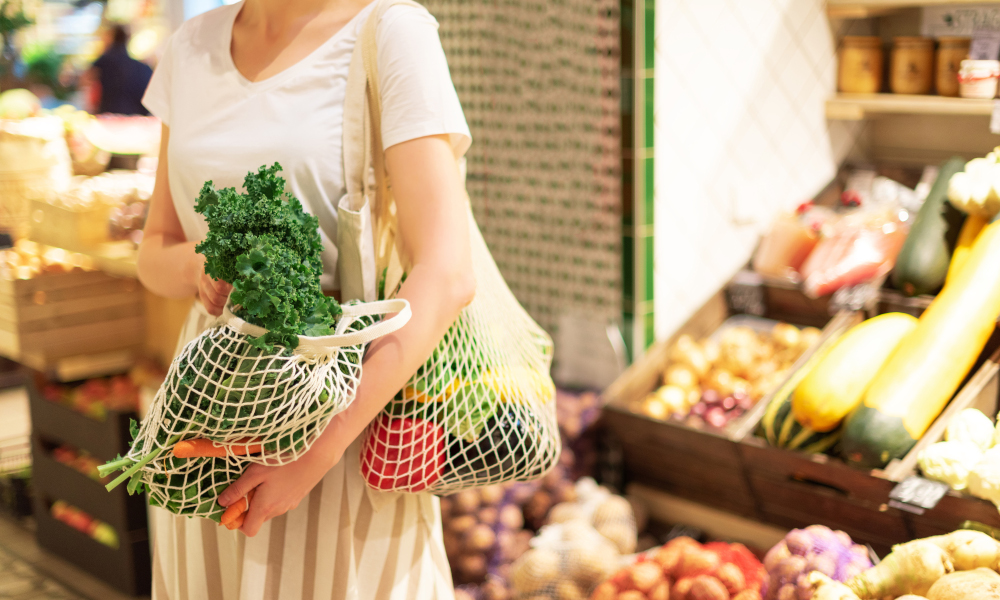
[(224, 389), (481, 410)]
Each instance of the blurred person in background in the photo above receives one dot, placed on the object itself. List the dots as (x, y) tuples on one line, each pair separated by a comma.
[(121, 80)]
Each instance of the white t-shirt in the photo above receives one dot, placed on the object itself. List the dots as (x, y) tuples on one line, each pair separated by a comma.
[(223, 125)]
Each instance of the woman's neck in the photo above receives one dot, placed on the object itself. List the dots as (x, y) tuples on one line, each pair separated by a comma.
[(278, 18)]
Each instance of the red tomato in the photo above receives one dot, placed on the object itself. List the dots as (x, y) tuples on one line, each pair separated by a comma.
[(403, 454)]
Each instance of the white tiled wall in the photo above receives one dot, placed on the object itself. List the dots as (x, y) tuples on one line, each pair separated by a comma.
[(740, 134)]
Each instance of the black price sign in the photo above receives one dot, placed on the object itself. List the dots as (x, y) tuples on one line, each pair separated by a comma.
[(745, 294), (916, 494)]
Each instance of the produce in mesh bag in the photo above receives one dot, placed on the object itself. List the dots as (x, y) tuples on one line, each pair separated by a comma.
[(683, 569), (815, 548), (582, 544), (260, 385)]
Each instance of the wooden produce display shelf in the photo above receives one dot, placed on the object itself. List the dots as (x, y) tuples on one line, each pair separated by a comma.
[(78, 323), (863, 9), (703, 465), (855, 107)]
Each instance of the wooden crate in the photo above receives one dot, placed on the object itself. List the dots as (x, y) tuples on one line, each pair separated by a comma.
[(982, 391), (55, 319), (127, 568), (73, 229), (701, 465)]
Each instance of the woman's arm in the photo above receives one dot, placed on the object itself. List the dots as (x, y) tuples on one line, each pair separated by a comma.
[(168, 264), (434, 233)]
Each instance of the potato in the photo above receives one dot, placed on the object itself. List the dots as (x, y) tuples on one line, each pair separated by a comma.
[(675, 398), (446, 506), (511, 517), (706, 587), (494, 590), (808, 337), (719, 380), (564, 492), (459, 525), (536, 569), (567, 590), (615, 509), (661, 591), (732, 577), (480, 539), (977, 584), (680, 589), (466, 501), (681, 376), (646, 576), (655, 408), (471, 566), (620, 534), (605, 591), (488, 515), (631, 595), (536, 508), (711, 350), (590, 563), (696, 561), (748, 595), (507, 543), (785, 335), (491, 495), (565, 512), (579, 532)]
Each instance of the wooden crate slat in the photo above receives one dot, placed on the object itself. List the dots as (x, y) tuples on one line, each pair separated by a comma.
[(54, 324), (49, 310)]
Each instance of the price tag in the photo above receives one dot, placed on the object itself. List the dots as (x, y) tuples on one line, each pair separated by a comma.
[(745, 294), (995, 117), (916, 494), (985, 45)]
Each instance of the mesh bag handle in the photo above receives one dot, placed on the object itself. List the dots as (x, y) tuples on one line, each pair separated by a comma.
[(321, 344)]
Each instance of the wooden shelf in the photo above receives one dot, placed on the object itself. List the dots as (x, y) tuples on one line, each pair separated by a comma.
[(863, 9), (854, 107)]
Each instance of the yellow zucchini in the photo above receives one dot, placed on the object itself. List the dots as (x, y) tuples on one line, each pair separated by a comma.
[(971, 229), (835, 386), (930, 363)]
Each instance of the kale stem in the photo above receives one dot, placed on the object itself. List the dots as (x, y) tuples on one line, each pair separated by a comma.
[(112, 466)]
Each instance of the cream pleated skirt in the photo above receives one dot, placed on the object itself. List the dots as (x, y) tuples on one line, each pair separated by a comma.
[(343, 541)]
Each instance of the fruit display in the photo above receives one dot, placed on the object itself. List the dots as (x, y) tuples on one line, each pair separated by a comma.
[(815, 548), (576, 414), (581, 545), (77, 519), (968, 459), (683, 569), (121, 134), (95, 397), (715, 380), (959, 566), (79, 460), (19, 104)]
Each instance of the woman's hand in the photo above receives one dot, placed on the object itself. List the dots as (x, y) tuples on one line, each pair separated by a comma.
[(213, 294), (280, 489)]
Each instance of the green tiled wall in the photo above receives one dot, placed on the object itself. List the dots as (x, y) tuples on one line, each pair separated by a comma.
[(638, 17)]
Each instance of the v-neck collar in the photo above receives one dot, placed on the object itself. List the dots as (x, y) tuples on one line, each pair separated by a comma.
[(287, 73)]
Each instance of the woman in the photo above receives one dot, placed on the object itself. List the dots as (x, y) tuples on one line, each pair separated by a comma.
[(263, 81)]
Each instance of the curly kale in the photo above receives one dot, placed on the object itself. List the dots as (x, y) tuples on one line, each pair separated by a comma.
[(264, 244)]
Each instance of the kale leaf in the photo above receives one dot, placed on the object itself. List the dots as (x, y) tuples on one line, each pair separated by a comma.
[(264, 244)]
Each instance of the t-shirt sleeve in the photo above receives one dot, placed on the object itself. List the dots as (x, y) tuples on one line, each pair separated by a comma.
[(157, 96), (418, 96)]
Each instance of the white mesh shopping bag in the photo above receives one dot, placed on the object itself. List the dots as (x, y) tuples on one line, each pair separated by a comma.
[(481, 411), (247, 405)]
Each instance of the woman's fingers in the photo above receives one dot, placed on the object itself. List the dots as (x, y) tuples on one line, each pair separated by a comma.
[(213, 294), (242, 486)]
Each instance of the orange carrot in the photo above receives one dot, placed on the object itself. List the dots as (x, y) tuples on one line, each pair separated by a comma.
[(201, 448), (236, 523), (237, 509)]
